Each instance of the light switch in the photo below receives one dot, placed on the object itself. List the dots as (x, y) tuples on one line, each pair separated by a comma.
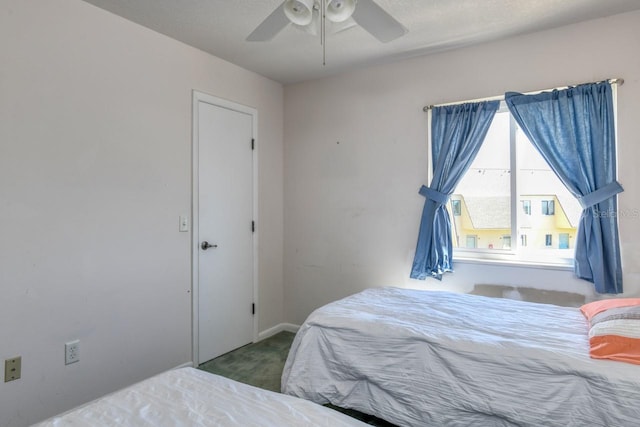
[(184, 223)]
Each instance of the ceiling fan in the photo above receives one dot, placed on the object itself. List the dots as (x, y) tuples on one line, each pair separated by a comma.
[(310, 14)]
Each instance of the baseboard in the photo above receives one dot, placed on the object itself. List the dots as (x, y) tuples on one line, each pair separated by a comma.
[(288, 327), (184, 365)]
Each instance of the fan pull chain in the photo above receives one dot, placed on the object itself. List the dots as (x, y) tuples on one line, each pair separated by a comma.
[(323, 33)]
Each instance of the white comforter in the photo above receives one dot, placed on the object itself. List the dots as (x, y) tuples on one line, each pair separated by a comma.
[(420, 358), (189, 397)]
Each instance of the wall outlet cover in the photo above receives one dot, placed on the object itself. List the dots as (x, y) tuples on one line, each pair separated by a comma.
[(12, 369), (71, 352)]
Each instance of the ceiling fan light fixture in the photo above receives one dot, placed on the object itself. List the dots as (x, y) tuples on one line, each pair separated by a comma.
[(340, 10), (299, 12)]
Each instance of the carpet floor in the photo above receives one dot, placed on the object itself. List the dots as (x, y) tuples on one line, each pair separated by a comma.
[(260, 364)]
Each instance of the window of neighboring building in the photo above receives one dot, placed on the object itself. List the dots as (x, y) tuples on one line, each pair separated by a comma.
[(548, 240), (563, 240), (508, 177), (456, 207)]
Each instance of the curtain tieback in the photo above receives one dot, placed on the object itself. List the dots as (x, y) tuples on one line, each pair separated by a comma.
[(600, 195), (434, 195)]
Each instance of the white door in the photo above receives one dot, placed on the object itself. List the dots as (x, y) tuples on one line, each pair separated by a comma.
[(225, 249)]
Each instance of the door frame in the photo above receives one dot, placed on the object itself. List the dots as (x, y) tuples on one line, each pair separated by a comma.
[(195, 279)]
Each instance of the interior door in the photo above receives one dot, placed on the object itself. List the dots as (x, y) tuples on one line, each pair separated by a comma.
[(225, 229)]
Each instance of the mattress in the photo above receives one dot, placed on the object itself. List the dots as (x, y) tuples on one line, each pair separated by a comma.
[(421, 358), (190, 397)]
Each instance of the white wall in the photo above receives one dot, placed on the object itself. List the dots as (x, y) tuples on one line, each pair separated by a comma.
[(95, 168), (355, 157)]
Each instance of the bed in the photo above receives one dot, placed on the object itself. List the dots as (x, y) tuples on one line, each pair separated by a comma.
[(190, 397), (428, 358)]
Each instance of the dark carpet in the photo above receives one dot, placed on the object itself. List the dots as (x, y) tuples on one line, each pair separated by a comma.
[(260, 364)]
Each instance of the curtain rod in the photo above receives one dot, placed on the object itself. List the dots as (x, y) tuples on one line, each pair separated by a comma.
[(617, 81)]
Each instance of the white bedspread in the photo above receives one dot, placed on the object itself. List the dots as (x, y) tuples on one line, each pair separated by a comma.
[(419, 358), (189, 397)]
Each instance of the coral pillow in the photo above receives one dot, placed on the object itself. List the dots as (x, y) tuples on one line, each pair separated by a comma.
[(614, 331)]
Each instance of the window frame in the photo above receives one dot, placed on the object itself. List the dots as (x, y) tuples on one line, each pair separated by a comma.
[(512, 256), (475, 241), (548, 207), (548, 240), (456, 207)]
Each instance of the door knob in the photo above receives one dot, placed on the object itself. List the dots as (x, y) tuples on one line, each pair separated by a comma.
[(206, 245)]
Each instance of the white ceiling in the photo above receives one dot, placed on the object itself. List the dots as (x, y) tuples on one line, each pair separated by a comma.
[(220, 27)]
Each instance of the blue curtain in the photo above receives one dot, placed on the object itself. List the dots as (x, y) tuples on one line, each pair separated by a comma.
[(457, 132), (573, 129)]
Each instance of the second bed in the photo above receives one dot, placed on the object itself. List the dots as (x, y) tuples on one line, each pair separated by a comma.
[(420, 358)]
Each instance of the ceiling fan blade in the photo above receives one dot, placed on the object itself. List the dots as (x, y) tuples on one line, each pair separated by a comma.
[(271, 26), (377, 22)]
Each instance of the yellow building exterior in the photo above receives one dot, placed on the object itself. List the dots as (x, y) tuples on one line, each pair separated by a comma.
[(544, 222)]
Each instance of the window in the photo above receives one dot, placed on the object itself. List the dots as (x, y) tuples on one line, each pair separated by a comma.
[(472, 242), (484, 160), (506, 242), (505, 180), (563, 241), (456, 207)]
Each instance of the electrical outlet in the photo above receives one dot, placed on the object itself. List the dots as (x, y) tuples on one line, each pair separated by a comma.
[(12, 369), (71, 352)]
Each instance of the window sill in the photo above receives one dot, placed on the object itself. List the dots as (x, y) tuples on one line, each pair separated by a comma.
[(545, 265)]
